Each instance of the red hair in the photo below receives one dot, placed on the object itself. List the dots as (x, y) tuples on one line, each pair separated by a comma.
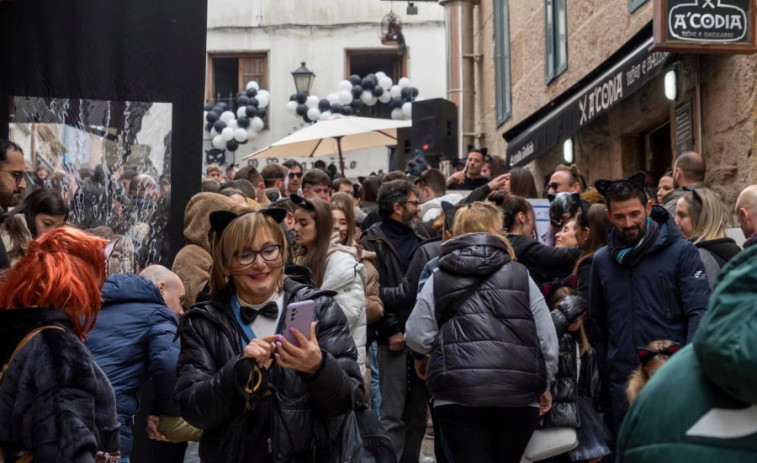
[(62, 269)]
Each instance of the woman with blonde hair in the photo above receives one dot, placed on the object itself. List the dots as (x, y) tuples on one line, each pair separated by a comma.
[(55, 402), (703, 220), (491, 340)]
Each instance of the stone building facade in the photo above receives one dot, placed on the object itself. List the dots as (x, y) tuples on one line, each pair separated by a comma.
[(713, 113)]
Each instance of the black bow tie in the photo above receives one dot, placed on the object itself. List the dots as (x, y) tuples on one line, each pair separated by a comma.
[(248, 314)]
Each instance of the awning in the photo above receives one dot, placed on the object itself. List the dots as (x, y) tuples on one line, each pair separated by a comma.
[(626, 72)]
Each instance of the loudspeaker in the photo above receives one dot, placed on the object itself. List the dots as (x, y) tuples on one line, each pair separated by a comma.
[(435, 129), (403, 152)]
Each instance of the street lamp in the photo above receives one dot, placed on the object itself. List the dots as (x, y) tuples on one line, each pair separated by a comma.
[(303, 79)]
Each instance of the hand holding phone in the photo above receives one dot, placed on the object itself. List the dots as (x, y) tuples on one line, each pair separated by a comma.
[(298, 315), (298, 347)]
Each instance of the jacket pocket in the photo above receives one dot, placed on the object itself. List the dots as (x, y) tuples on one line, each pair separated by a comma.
[(666, 298)]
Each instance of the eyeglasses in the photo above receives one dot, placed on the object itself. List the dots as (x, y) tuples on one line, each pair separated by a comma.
[(18, 174), (268, 253), (646, 355), (295, 174)]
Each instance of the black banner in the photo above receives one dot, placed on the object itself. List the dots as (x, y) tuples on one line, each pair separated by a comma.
[(708, 21), (587, 103)]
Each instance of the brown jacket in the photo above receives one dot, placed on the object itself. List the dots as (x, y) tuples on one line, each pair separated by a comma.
[(374, 308)]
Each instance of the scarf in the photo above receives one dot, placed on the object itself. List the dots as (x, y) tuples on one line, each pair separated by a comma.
[(631, 255)]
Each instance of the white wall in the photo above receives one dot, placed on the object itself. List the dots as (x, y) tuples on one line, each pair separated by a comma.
[(319, 32)]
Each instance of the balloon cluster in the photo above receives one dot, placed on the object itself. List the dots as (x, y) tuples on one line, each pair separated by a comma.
[(353, 94), (229, 130)]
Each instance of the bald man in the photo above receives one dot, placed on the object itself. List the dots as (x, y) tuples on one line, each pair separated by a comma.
[(170, 286), (746, 211), (688, 171)]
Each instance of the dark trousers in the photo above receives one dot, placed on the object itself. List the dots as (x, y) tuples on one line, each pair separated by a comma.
[(486, 434)]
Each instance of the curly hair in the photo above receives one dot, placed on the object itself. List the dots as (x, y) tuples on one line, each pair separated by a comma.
[(63, 269)]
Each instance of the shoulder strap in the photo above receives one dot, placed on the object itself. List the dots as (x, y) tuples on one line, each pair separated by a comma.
[(29, 336)]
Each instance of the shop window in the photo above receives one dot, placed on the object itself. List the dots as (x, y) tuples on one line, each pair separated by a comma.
[(634, 5), (556, 37), (364, 62), (502, 61), (228, 74)]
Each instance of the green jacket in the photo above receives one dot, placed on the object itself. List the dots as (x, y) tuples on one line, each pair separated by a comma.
[(702, 405)]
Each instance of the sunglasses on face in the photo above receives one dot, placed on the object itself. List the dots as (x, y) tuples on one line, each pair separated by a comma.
[(295, 174), (553, 185), (645, 355)]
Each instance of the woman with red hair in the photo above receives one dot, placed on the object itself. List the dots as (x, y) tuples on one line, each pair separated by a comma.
[(55, 403)]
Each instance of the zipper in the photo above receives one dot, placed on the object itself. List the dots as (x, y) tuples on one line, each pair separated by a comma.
[(665, 295)]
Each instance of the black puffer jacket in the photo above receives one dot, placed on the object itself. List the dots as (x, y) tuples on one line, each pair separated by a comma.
[(544, 263), (212, 372), (487, 353)]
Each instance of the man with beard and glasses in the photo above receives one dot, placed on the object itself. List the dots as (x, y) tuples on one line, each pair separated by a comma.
[(648, 283)]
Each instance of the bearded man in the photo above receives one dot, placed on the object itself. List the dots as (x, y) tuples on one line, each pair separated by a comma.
[(647, 284)]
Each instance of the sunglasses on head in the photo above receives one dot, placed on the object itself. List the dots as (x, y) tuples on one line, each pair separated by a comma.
[(645, 355)]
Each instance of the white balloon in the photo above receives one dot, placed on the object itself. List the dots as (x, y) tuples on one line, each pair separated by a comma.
[(213, 132), (345, 85), (227, 133), (312, 101), (345, 97), (292, 106), (314, 114), (263, 98), (326, 115), (218, 142), (385, 82), (395, 91), (251, 134), (256, 124), (397, 114), (417, 98), (233, 124), (204, 115), (252, 84), (368, 98), (404, 82), (380, 74), (226, 116), (407, 109), (240, 135), (385, 97), (333, 98), (242, 111)]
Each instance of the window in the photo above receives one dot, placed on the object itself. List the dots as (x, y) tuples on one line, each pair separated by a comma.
[(634, 5), (556, 37), (364, 62), (229, 73), (502, 61)]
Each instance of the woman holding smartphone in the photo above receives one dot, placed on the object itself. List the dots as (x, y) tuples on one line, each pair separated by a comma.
[(257, 396), (333, 266)]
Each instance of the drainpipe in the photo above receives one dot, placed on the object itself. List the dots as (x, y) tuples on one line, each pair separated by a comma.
[(460, 59)]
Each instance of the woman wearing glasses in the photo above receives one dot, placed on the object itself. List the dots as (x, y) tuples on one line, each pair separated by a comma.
[(333, 266), (257, 396)]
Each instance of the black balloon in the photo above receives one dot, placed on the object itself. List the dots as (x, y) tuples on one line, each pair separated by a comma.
[(208, 126), (208, 107), (253, 102), (241, 93), (212, 116), (218, 109), (293, 97), (356, 104), (302, 110), (243, 121), (302, 97), (251, 111), (224, 105), (415, 92), (347, 111), (406, 93), (232, 145), (373, 78), (396, 103), (251, 92), (368, 83), (243, 101), (336, 108), (377, 91), (219, 126), (261, 113), (357, 90), (306, 119), (355, 79), (324, 105)]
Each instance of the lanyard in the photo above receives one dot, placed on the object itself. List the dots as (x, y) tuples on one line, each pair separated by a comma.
[(247, 329)]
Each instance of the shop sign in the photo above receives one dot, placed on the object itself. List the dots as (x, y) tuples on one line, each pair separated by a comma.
[(705, 26)]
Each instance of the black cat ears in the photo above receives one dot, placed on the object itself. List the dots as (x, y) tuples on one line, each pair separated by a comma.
[(473, 149), (219, 220), (637, 180)]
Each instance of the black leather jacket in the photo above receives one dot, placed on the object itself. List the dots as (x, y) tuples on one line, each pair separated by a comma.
[(212, 374)]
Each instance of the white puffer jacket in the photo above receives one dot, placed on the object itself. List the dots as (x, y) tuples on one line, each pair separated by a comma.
[(345, 275)]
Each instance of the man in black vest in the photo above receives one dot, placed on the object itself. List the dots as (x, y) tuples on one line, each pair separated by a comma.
[(12, 183)]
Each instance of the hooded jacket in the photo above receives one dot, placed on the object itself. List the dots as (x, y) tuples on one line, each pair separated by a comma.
[(54, 401), (701, 406), (662, 297), (715, 254), (485, 354), (212, 371), (135, 338), (192, 263)]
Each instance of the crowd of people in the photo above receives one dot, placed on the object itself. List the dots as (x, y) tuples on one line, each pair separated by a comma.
[(429, 300)]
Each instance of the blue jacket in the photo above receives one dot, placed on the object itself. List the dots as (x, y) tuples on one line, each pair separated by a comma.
[(134, 339), (662, 297)]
